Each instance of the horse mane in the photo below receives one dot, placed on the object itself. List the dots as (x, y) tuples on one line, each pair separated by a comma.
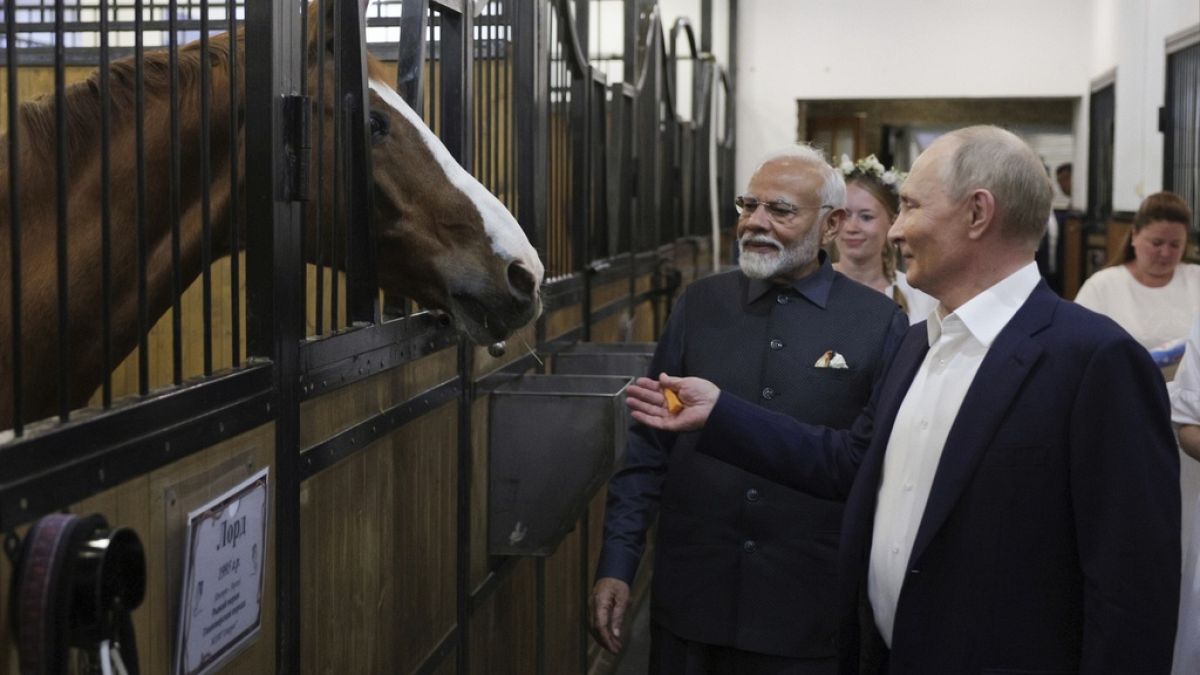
[(83, 103)]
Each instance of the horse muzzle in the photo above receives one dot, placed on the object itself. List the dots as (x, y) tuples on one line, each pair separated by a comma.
[(489, 315)]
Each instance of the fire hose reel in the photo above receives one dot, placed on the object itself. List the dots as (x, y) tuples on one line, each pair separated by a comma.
[(76, 584)]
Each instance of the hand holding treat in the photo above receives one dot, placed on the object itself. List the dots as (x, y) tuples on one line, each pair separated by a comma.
[(651, 402)]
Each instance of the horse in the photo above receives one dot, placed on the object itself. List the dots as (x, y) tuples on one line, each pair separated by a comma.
[(441, 238)]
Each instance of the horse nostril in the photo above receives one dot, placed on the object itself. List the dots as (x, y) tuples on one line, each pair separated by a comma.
[(520, 279)]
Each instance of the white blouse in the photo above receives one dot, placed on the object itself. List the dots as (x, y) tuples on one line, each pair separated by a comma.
[(1153, 316)]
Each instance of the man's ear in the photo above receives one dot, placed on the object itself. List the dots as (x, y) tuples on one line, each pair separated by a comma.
[(833, 223), (981, 211)]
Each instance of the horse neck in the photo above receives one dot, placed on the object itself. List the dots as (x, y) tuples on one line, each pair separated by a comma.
[(132, 218)]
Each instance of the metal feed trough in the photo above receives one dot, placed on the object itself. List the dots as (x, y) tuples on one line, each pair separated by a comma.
[(630, 359), (550, 444)]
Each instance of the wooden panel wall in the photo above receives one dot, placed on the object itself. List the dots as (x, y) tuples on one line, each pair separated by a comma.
[(378, 530)]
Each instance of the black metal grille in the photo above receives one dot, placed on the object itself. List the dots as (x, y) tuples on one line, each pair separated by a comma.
[(1181, 146), (1102, 116)]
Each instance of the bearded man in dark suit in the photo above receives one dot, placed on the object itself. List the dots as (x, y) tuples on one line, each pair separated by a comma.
[(744, 568)]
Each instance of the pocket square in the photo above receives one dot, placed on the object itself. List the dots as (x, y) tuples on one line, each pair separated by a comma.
[(831, 359)]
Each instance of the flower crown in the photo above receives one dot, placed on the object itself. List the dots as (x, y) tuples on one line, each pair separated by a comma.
[(871, 166)]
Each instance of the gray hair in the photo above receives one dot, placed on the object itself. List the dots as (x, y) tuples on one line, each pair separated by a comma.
[(833, 186), (998, 161)]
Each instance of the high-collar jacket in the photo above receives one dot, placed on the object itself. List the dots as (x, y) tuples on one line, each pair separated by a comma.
[(741, 561)]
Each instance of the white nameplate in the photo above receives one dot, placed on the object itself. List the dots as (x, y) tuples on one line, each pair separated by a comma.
[(221, 603)]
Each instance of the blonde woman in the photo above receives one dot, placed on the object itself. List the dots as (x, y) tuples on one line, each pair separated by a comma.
[(864, 254)]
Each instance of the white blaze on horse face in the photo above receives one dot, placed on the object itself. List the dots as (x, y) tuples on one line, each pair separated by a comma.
[(508, 239)]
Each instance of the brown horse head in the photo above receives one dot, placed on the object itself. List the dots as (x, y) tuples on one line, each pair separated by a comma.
[(444, 240)]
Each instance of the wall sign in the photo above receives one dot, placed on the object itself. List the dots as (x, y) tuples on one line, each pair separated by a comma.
[(221, 607)]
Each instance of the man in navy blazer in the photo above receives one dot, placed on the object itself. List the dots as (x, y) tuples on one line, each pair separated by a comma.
[(1013, 486)]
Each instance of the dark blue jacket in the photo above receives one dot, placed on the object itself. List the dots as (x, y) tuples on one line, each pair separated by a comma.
[(1050, 542), (742, 561)]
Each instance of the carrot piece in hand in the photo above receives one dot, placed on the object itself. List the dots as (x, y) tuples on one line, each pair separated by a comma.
[(674, 405)]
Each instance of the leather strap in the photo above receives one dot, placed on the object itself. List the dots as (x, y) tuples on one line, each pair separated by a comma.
[(43, 595)]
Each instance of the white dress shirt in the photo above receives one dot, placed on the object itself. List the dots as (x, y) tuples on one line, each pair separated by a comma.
[(958, 343)]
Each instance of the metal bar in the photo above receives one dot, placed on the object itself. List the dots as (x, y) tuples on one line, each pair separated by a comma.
[(490, 584), (486, 104), (580, 164), (336, 261), (206, 188), (48, 471), (329, 452), (142, 243), (456, 94), (319, 219), (410, 58), (529, 87), (455, 77), (466, 462), (97, 26), (510, 161), (362, 286), (14, 210), (175, 207), (61, 180), (275, 274), (631, 40), (235, 295), (445, 648), (105, 211), (360, 354)]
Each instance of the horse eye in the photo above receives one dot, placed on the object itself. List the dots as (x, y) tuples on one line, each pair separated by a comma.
[(379, 125)]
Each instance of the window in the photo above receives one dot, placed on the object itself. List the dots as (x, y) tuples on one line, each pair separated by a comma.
[(1102, 115), (1181, 126)]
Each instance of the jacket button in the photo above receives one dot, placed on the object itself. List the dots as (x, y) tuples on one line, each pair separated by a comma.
[(776, 344), (751, 495), (749, 546), (768, 393), (781, 299)]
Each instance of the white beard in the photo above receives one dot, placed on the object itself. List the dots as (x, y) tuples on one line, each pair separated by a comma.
[(767, 265)]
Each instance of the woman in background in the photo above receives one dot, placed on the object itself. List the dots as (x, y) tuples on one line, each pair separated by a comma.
[(1147, 290), (863, 251)]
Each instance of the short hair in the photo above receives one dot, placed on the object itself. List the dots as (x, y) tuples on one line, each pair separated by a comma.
[(833, 188), (1158, 207), (1066, 166), (998, 161)]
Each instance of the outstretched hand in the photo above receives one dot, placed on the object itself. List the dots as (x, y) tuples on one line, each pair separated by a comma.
[(648, 405)]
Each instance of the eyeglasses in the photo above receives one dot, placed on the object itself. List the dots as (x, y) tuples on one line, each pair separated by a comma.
[(779, 209)]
